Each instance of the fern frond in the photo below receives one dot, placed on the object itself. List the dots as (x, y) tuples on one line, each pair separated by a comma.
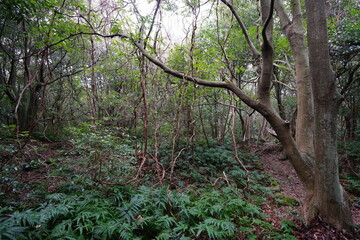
[(10, 229), (114, 230), (130, 210), (52, 212), (164, 236), (62, 230), (166, 221), (216, 228), (58, 197), (28, 218), (145, 221), (224, 225)]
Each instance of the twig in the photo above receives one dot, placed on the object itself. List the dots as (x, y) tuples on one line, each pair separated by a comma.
[(235, 145), (161, 176), (174, 162), (129, 181), (225, 178), (256, 54)]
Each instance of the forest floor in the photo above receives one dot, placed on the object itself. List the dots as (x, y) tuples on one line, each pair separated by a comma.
[(273, 160), (275, 163)]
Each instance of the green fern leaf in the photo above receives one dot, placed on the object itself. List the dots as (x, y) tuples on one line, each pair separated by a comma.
[(166, 222), (10, 229)]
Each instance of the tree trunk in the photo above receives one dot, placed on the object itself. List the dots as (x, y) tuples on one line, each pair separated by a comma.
[(304, 128), (330, 200), (295, 33)]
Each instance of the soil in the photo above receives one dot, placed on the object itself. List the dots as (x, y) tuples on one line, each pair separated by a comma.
[(275, 162)]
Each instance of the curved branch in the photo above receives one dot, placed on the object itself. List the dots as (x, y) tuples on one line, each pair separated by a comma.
[(256, 54), (251, 102), (267, 43), (268, 57), (153, 20), (282, 14)]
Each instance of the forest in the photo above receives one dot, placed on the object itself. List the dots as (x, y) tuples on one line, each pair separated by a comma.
[(188, 119)]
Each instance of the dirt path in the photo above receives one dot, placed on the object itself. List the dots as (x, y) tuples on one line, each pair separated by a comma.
[(275, 163)]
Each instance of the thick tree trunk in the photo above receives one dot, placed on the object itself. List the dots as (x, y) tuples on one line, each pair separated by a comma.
[(295, 33), (330, 200)]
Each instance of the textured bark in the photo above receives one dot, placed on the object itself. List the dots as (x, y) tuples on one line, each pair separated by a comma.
[(295, 33), (330, 199)]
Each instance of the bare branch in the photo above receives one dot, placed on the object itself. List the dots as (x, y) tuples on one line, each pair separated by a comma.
[(226, 85), (287, 86), (235, 144), (350, 81), (256, 54)]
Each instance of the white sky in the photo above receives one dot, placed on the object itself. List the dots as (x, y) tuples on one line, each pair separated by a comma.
[(176, 24)]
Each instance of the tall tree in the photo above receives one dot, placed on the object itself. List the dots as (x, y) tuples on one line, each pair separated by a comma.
[(330, 200)]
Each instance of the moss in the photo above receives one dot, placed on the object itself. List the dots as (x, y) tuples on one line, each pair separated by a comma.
[(259, 166), (285, 200), (275, 185), (274, 182)]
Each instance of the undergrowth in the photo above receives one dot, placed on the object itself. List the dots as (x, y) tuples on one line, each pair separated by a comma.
[(205, 200), (143, 213), (351, 158)]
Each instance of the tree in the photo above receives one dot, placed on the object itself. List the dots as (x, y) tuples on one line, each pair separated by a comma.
[(313, 153), (33, 55), (330, 200)]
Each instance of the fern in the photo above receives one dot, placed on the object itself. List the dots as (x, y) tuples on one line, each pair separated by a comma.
[(130, 210), (210, 231), (117, 196), (10, 229), (165, 235), (221, 224), (28, 218), (63, 230), (148, 213), (53, 212), (216, 229), (56, 197), (146, 221), (165, 222), (83, 222), (114, 229)]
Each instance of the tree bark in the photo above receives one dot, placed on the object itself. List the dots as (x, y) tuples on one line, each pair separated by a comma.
[(295, 33), (304, 129), (330, 199)]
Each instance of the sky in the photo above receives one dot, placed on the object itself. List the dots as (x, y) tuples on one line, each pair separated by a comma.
[(176, 23)]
